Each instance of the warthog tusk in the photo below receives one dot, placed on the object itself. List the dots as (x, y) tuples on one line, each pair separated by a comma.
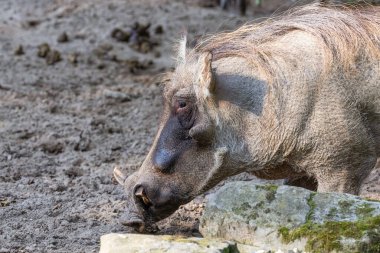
[(119, 175)]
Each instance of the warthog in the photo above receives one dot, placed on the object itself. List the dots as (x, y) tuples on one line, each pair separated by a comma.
[(296, 97)]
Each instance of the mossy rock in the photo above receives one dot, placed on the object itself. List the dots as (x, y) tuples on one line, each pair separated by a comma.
[(339, 236), (340, 223), (285, 217)]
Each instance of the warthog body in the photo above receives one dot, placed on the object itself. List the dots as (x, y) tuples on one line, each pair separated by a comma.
[(295, 98)]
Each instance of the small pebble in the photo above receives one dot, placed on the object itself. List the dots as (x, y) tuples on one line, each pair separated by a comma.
[(74, 172), (142, 29), (106, 47), (145, 47), (73, 58), (51, 145), (102, 50), (101, 66), (119, 96), (43, 50), (53, 57), (63, 37), (19, 50), (64, 223), (120, 35), (30, 23), (159, 29)]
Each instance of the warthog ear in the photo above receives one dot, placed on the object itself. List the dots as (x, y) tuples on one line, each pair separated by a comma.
[(206, 78), (119, 175)]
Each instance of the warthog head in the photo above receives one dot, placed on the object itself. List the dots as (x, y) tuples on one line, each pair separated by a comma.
[(189, 154)]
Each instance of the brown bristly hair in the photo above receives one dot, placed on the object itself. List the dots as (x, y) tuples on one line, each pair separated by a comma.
[(345, 32)]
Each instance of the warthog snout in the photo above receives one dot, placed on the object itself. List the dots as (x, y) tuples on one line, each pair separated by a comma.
[(157, 201), (147, 201)]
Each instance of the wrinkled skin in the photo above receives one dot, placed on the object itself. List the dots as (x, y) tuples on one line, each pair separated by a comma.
[(225, 119)]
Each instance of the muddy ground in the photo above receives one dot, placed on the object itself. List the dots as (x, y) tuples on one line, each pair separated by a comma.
[(72, 109)]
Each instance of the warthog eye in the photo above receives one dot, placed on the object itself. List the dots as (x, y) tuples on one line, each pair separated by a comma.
[(182, 104), (183, 109)]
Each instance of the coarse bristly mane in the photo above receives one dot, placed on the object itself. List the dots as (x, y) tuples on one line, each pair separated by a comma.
[(344, 33)]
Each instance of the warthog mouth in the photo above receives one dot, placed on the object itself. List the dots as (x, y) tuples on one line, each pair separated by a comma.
[(145, 214), (140, 223), (140, 220), (135, 222), (149, 202)]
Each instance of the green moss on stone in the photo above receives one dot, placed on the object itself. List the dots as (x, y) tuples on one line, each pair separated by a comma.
[(374, 247), (364, 210), (270, 195), (345, 204), (248, 211), (332, 213), (373, 200), (271, 191), (241, 209), (268, 187), (326, 237), (311, 204), (284, 232), (261, 204), (245, 209)]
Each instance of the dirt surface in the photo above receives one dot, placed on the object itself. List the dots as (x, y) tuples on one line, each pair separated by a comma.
[(79, 94)]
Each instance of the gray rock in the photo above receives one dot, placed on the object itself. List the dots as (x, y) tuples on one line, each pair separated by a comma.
[(133, 243), (118, 96), (284, 218), (342, 207)]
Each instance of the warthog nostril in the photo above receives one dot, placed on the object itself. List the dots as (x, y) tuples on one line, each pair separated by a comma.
[(141, 194)]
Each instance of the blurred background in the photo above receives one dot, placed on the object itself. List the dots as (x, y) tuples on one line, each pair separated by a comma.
[(79, 94)]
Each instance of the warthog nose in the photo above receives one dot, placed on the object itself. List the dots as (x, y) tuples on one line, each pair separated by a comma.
[(140, 193)]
